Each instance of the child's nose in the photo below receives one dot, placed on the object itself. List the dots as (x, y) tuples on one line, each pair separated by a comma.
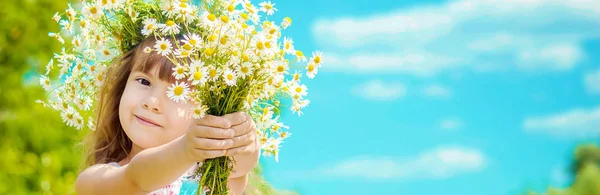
[(151, 104)]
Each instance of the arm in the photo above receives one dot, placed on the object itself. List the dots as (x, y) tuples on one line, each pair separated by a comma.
[(237, 185), (166, 162)]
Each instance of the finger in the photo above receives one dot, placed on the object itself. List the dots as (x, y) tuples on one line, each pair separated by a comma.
[(212, 132), (239, 150), (214, 121), (237, 118), (243, 128), (208, 154), (243, 140), (212, 144)]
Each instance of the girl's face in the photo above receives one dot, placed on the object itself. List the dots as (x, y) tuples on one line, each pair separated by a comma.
[(147, 115)]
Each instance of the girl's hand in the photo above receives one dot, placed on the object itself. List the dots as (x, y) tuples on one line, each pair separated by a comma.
[(246, 148), (208, 137)]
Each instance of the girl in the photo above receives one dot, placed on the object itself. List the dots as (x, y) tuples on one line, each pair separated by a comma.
[(144, 143)]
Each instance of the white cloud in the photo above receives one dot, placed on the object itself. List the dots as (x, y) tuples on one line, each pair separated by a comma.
[(451, 124), (486, 35), (592, 82), (437, 91), (442, 162), (577, 123), (380, 91)]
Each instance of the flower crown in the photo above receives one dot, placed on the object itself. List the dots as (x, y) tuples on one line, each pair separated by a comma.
[(219, 51)]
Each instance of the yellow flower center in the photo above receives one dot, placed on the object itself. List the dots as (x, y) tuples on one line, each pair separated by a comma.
[(299, 53), (100, 77), (287, 45), (106, 52), (211, 17), (185, 53), (70, 116), (244, 15), (298, 89), (275, 127), (170, 23), (245, 57), (197, 111), (93, 10), (212, 37), (180, 70), (163, 46), (223, 40), (104, 2), (82, 23), (272, 31), (224, 19), (229, 77), (208, 52), (193, 41), (187, 47), (197, 75), (268, 7), (230, 8), (244, 69), (311, 67), (268, 45), (280, 68), (259, 45), (178, 90), (317, 59), (149, 26), (212, 73), (183, 5)]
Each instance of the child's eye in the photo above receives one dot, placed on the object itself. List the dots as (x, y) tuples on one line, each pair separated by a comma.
[(143, 81)]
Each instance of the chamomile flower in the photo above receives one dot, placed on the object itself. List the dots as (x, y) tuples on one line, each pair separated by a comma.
[(298, 89), (179, 72), (245, 69), (229, 77), (288, 45), (213, 74), (49, 66), (178, 92), (208, 19), (56, 17), (45, 82), (268, 7), (163, 46), (199, 111), (194, 40), (69, 116), (90, 124), (311, 70), (147, 49), (92, 10), (317, 58), (287, 21), (170, 27), (198, 76), (149, 26), (300, 56)]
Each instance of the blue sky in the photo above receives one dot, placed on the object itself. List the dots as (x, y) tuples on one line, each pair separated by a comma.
[(441, 97)]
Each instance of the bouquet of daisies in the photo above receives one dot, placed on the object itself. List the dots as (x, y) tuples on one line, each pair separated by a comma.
[(227, 60)]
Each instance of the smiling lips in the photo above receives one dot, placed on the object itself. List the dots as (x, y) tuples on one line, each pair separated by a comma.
[(146, 121)]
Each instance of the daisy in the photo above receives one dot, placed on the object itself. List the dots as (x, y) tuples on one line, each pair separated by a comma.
[(317, 58), (71, 13), (179, 72), (280, 67), (49, 66), (245, 69), (163, 47), (178, 92), (298, 89), (183, 52), (287, 21), (311, 70), (198, 76), (92, 10), (213, 74), (300, 56), (83, 102), (56, 17), (267, 7), (288, 45), (199, 111), (69, 116), (194, 40), (229, 77), (45, 82), (284, 134), (149, 26), (208, 19), (170, 27), (147, 49)]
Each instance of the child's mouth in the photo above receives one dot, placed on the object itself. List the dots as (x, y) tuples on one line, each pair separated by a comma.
[(146, 122)]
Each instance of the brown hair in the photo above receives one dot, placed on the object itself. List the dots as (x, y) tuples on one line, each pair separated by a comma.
[(108, 142)]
